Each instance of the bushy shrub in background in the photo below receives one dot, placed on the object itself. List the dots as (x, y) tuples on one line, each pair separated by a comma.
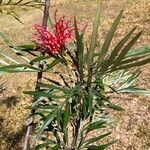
[(62, 112), (11, 7)]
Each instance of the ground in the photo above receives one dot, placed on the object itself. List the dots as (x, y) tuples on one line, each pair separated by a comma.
[(131, 127)]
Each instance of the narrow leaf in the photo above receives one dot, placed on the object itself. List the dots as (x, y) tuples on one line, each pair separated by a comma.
[(133, 59), (44, 94), (135, 90), (92, 140), (94, 37), (116, 50), (129, 81), (96, 125), (55, 62), (141, 63), (101, 147), (10, 59), (6, 40), (49, 119), (126, 49), (138, 51), (115, 107), (108, 40), (80, 50), (39, 59), (21, 67)]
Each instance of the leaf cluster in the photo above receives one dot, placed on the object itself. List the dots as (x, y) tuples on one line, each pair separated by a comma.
[(64, 109)]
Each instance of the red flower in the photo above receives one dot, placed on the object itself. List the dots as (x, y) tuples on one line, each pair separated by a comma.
[(54, 41)]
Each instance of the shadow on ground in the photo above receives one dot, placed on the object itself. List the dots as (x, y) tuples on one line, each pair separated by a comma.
[(13, 140)]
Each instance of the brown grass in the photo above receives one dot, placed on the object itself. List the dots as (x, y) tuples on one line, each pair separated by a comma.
[(132, 126)]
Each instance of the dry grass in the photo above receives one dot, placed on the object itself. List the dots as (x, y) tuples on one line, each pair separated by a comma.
[(131, 127)]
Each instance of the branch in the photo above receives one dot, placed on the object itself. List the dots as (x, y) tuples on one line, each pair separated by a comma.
[(39, 78)]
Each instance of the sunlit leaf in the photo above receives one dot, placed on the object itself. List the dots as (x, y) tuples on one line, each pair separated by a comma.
[(80, 50), (92, 140), (116, 50), (107, 41), (48, 120), (40, 58), (94, 37), (96, 125), (135, 90), (55, 62), (101, 147), (18, 68), (115, 107), (125, 50)]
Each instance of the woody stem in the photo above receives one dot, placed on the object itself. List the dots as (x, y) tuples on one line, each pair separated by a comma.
[(39, 79)]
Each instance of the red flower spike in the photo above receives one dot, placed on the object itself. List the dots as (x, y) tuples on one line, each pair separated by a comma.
[(55, 41)]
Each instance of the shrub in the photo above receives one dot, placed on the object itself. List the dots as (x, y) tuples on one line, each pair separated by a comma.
[(63, 111)]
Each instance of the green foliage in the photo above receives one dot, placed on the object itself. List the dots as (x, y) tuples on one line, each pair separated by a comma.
[(64, 109)]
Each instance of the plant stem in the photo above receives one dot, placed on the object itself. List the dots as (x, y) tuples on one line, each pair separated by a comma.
[(76, 133), (39, 79)]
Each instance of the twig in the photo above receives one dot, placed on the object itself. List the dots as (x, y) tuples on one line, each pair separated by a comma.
[(39, 78)]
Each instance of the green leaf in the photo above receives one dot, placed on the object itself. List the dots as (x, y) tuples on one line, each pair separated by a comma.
[(94, 37), (133, 59), (92, 140), (45, 144), (96, 125), (18, 68), (50, 21), (115, 107), (44, 94), (10, 45), (65, 137), (129, 81), (66, 115), (19, 54), (113, 89), (30, 49), (53, 87), (85, 112), (140, 63), (10, 59), (52, 81), (107, 41), (40, 58), (125, 50), (16, 16), (27, 47), (135, 90), (80, 50), (143, 50), (48, 120), (116, 50), (89, 99), (55, 62), (101, 147), (6, 40)]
